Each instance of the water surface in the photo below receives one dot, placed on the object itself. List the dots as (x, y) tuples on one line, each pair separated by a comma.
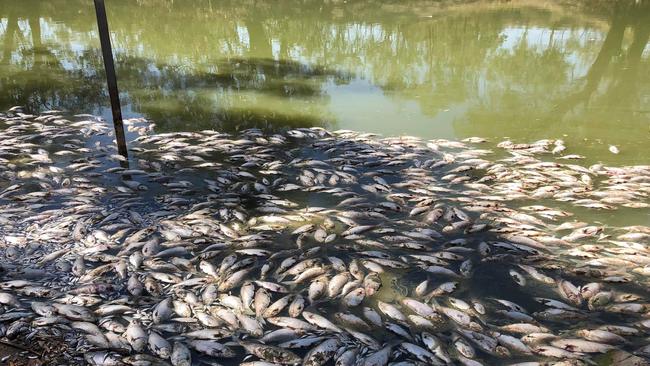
[(575, 70)]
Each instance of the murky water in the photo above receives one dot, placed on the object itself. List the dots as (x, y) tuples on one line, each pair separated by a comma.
[(573, 70)]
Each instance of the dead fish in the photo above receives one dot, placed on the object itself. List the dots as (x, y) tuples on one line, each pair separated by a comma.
[(271, 353)]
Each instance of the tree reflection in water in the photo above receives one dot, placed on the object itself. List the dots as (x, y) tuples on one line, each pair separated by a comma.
[(507, 67)]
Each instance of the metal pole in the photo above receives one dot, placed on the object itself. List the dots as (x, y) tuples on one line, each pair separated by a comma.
[(111, 80)]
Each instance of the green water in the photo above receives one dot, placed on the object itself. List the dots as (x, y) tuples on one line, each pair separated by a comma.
[(577, 70)]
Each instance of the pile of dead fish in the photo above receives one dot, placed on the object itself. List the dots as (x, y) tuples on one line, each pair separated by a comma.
[(314, 247)]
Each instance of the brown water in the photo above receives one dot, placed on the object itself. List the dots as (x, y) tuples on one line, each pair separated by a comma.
[(577, 70)]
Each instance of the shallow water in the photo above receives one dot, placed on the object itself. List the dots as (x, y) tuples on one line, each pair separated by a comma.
[(526, 70)]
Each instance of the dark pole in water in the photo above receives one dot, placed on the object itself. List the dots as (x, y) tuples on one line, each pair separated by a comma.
[(111, 80)]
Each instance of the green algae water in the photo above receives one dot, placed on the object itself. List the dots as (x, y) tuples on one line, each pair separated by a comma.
[(524, 70)]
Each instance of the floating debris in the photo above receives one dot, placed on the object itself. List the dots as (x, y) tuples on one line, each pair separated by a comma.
[(314, 247)]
